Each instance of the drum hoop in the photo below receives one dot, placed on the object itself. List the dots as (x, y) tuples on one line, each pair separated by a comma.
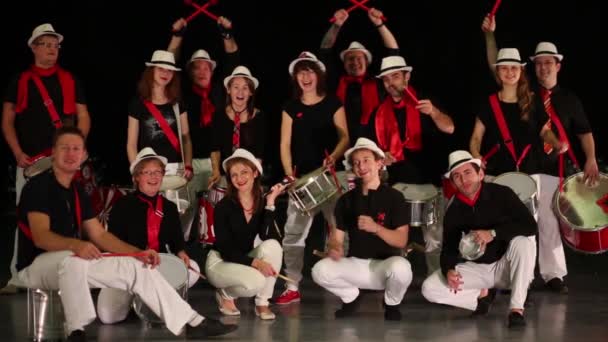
[(181, 178), (34, 163), (420, 200), (534, 194), (176, 260), (561, 216), (583, 251)]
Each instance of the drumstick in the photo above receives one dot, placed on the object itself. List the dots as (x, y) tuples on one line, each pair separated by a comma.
[(350, 9), (196, 272), (409, 92), (495, 8), (286, 278), (319, 253), (365, 8), (333, 174)]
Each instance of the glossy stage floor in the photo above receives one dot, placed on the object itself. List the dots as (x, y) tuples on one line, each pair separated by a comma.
[(582, 315)]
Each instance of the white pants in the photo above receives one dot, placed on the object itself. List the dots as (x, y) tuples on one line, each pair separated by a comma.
[(19, 184), (74, 276), (113, 305), (515, 270), (297, 228), (346, 276), (551, 257), (237, 280), (201, 169)]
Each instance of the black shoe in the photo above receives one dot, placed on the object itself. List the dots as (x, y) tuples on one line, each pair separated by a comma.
[(77, 336), (516, 319), (484, 304), (348, 309), (392, 312), (557, 285), (210, 327)]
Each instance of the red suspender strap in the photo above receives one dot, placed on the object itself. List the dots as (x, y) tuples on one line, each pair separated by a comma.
[(164, 125), (48, 102), (504, 131)]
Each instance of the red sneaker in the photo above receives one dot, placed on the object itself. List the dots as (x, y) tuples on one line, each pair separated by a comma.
[(288, 297)]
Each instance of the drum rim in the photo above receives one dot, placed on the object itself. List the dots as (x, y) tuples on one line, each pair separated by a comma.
[(181, 178), (177, 260), (305, 179), (418, 201), (28, 174), (571, 246), (561, 216), (534, 194)]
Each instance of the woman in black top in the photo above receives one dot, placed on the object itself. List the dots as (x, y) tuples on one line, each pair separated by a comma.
[(239, 124), (234, 266), (147, 220)]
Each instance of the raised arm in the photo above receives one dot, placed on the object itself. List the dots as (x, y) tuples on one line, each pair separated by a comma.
[(225, 26), (488, 27), (375, 16), (177, 30), (329, 39)]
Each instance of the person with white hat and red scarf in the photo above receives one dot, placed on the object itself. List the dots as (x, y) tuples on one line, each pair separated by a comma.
[(358, 90), (566, 118), (37, 102)]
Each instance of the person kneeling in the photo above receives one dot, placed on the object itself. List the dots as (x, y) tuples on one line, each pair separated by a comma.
[(373, 215), (502, 227), (233, 266)]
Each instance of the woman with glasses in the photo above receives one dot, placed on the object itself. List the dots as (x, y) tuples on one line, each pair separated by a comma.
[(145, 219)]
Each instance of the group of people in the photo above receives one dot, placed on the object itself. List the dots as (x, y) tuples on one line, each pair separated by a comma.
[(374, 123)]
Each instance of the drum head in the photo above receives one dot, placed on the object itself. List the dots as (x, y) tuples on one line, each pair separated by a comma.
[(39, 166), (577, 204), (173, 270), (309, 177), (172, 182), (522, 184), (417, 192)]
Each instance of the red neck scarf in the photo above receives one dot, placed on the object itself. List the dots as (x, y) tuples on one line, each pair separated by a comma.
[(369, 94), (68, 88), (154, 217), (469, 201), (207, 108), (387, 127)]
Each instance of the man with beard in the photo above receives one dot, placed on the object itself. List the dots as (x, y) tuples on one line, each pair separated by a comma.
[(407, 130)]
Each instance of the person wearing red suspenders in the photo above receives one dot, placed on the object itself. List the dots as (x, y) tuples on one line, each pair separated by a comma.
[(38, 101), (54, 214), (566, 117)]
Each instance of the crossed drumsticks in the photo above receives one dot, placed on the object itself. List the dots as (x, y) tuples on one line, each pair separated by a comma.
[(356, 4), (201, 9)]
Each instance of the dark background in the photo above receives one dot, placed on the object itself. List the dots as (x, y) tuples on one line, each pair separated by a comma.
[(107, 42)]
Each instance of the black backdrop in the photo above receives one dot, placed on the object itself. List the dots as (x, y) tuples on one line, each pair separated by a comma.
[(107, 42)]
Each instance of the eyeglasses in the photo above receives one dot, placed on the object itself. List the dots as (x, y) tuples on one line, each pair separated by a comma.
[(155, 173), (49, 45)]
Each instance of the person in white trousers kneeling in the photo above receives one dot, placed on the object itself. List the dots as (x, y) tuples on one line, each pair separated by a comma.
[(54, 214), (373, 216), (234, 266), (503, 228)]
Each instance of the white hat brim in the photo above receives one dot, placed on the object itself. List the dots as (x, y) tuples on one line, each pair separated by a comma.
[(509, 63), (365, 51), (254, 160), (457, 165), (295, 61), (374, 149), (255, 81), (47, 33), (163, 66), (210, 61), (139, 160), (556, 55), (391, 70)]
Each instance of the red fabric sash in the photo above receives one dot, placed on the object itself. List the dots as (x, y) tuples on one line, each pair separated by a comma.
[(207, 108), (28, 232), (504, 131), (554, 118), (369, 94), (68, 90), (154, 217), (468, 201), (387, 128), (164, 125)]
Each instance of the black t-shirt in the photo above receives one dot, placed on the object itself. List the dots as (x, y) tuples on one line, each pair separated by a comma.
[(574, 120), (312, 131), (522, 133), (34, 126), (385, 205), (44, 194), (202, 135), (128, 221), (251, 135), (150, 131)]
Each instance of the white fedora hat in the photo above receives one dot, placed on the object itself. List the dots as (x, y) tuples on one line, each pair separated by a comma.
[(44, 30), (508, 56), (458, 158), (244, 154), (356, 46), (146, 153), (391, 64), (163, 59), (241, 71), (546, 49), (203, 56), (362, 144), (306, 56)]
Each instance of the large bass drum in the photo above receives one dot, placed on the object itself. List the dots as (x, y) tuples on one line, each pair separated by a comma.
[(582, 212)]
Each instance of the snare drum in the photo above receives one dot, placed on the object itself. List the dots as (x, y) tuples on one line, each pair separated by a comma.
[(524, 187), (312, 189), (469, 249), (174, 177), (40, 163), (423, 200), (218, 191), (582, 212), (175, 272)]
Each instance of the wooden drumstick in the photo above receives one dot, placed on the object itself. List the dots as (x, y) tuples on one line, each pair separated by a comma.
[(319, 253), (279, 275), (196, 272)]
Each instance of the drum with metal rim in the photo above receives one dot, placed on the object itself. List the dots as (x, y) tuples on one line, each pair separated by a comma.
[(39, 164), (524, 187), (423, 202), (312, 189)]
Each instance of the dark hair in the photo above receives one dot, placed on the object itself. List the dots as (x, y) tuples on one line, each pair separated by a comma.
[(475, 167), (144, 86), (308, 65), (64, 130), (231, 191), (250, 101)]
